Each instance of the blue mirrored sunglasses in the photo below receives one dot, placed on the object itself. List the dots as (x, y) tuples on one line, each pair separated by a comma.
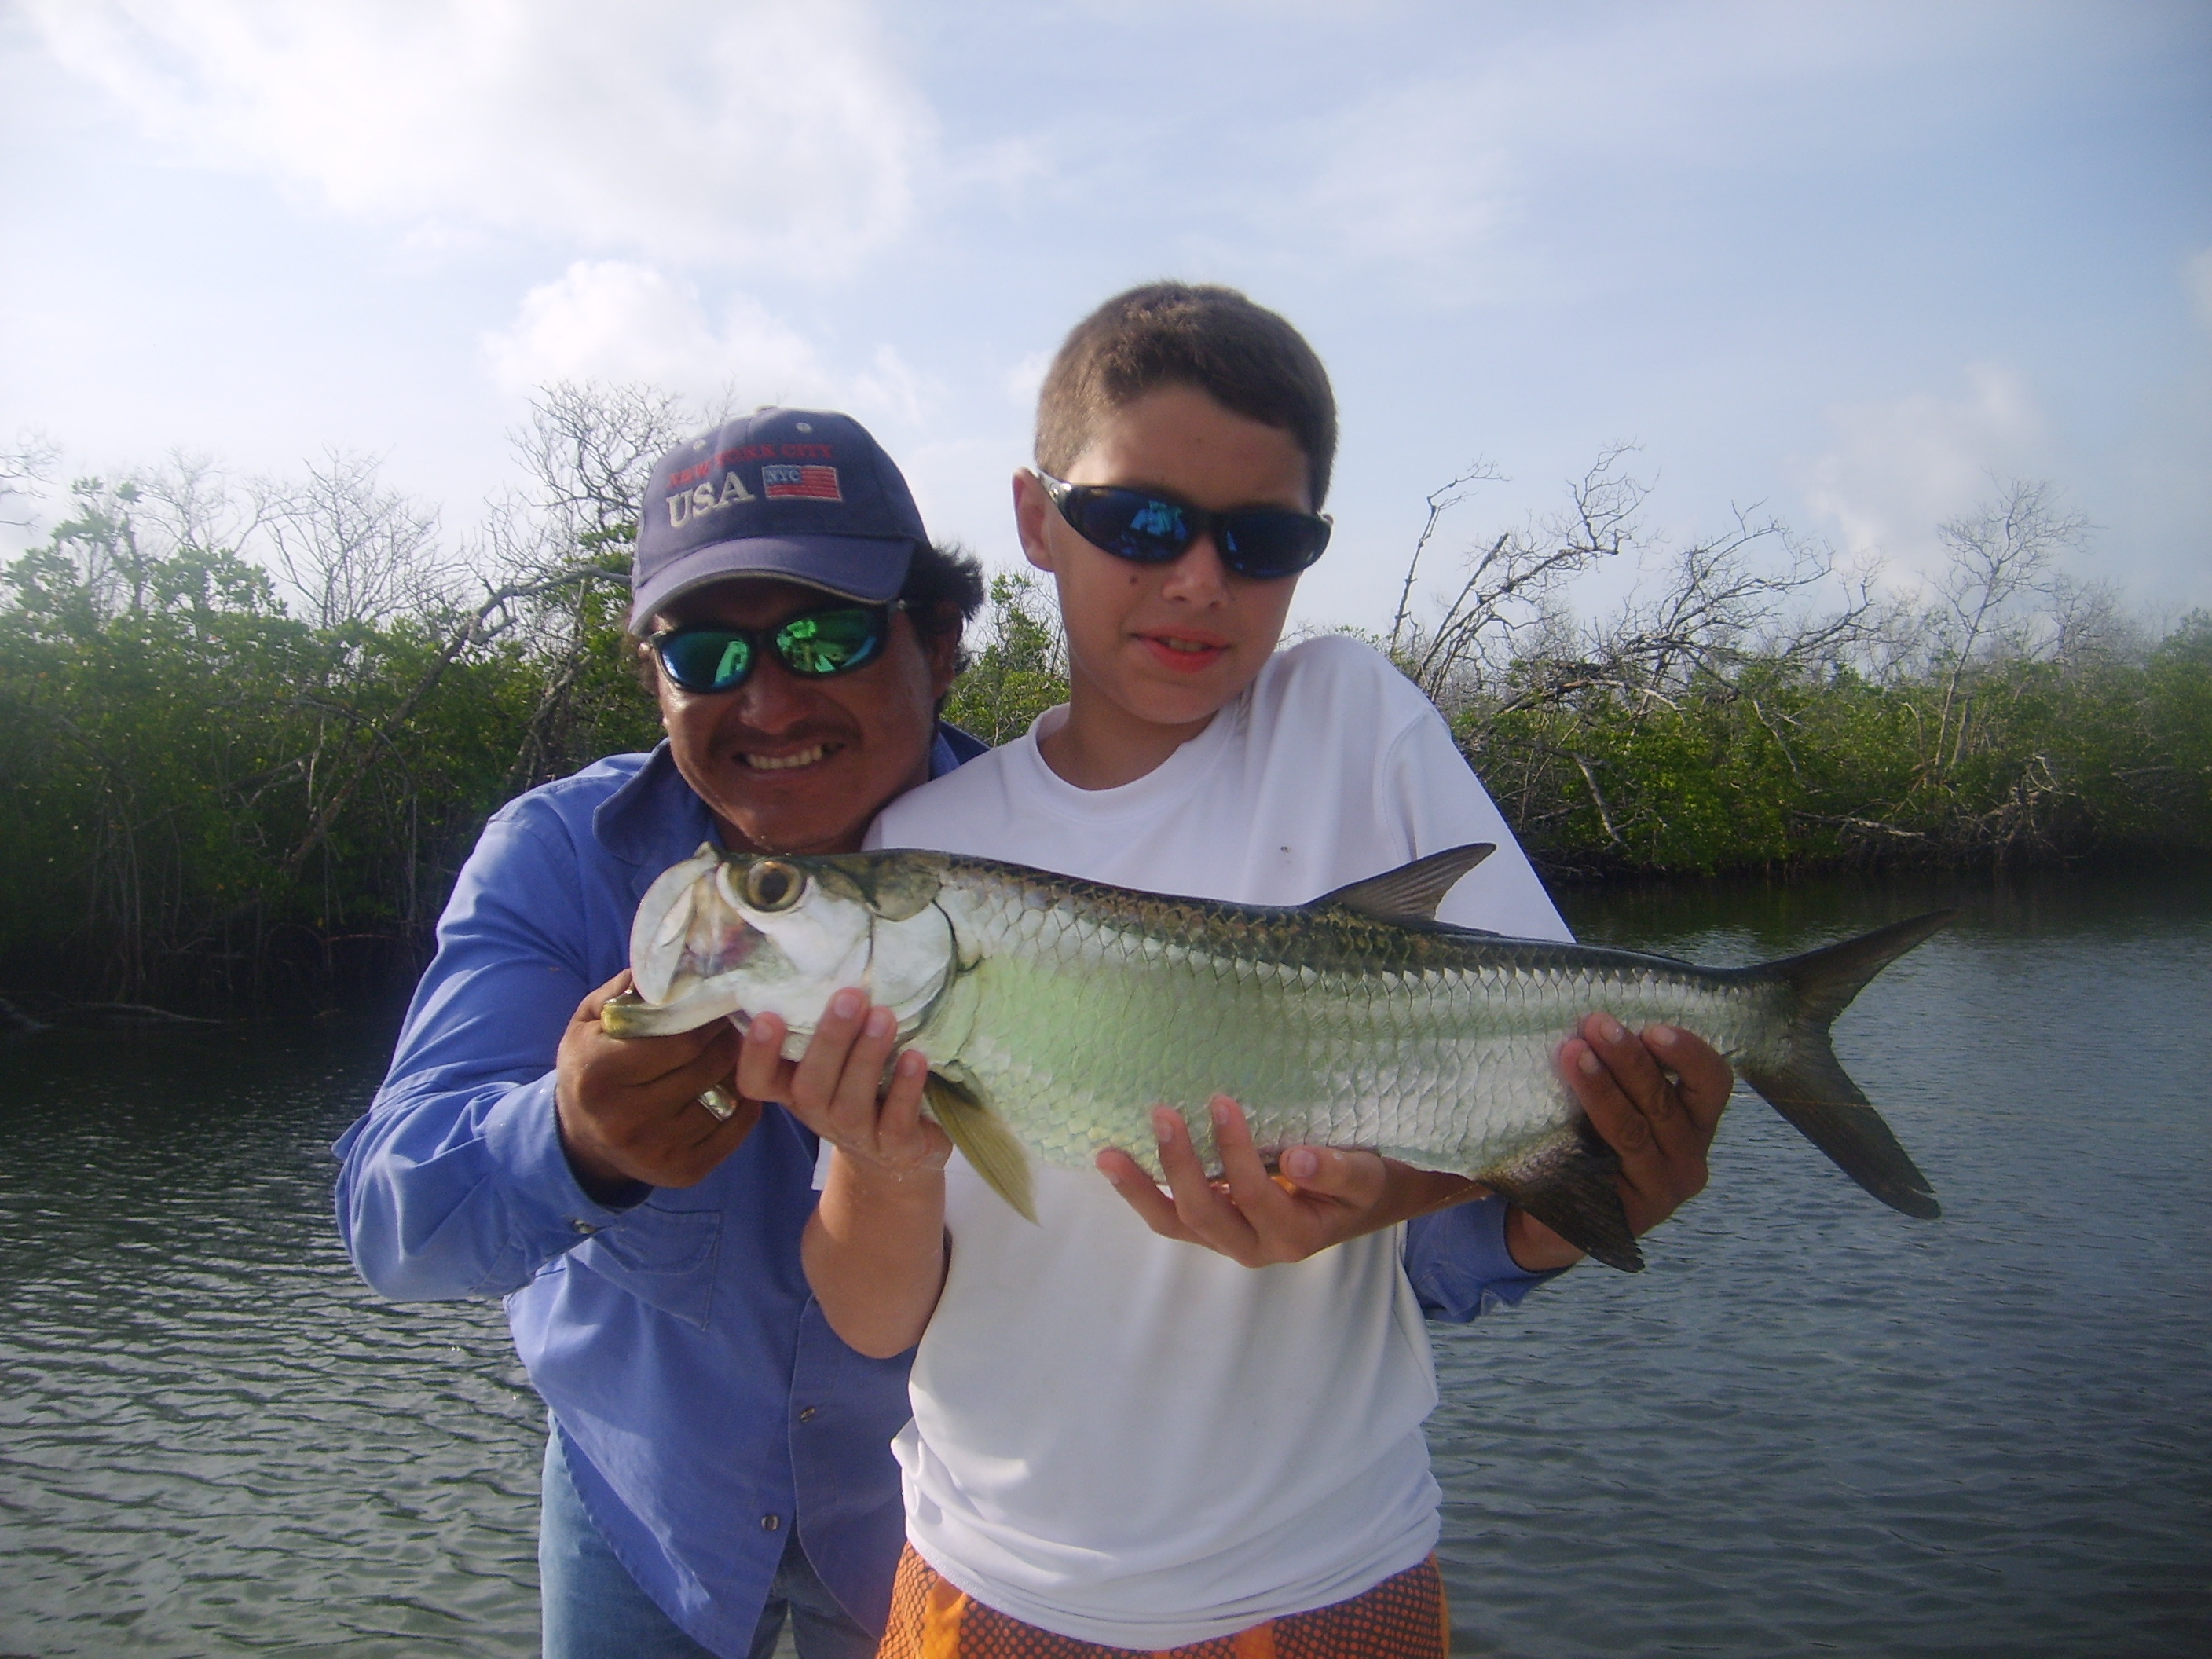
[(814, 644), (1264, 542)]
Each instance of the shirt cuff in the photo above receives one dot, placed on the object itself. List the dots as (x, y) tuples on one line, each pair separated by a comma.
[(1459, 1263), (523, 1135)]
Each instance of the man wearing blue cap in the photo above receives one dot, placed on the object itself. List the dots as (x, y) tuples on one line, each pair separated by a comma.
[(719, 1458)]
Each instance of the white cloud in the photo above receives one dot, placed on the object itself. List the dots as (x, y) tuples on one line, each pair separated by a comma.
[(1901, 469), (604, 319), (723, 130), (607, 319)]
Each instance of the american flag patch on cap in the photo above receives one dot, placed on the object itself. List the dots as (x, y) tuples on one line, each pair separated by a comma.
[(812, 483)]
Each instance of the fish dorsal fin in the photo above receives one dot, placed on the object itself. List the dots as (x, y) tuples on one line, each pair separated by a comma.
[(1411, 891), (984, 1140)]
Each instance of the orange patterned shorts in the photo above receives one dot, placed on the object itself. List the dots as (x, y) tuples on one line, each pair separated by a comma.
[(1403, 1617)]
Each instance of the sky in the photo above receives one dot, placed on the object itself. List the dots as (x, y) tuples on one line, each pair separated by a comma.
[(1853, 263)]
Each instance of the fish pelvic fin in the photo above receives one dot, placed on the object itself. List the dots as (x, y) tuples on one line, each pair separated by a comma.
[(984, 1140), (1810, 1088), (1411, 891), (1567, 1182)]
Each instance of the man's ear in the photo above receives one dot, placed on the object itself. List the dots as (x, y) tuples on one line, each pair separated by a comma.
[(1033, 509)]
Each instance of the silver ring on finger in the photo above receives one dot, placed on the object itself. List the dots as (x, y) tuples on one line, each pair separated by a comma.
[(720, 1104)]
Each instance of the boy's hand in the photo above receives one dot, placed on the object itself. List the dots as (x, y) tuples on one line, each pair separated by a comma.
[(874, 1247), (1324, 1196), (837, 1088), (1655, 1097)]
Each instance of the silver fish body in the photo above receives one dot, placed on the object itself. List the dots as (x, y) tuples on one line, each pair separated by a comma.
[(1057, 1012)]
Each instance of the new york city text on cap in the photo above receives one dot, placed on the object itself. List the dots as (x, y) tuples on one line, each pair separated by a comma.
[(805, 494)]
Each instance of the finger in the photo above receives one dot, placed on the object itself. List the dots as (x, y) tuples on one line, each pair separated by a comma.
[(652, 1067), (901, 1112), (714, 1136), (1142, 1194), (1353, 1178), (1206, 1212), (932, 1146), (1705, 1079), (712, 1065), (815, 1083), (1634, 1072), (855, 1100), (1258, 1199), (762, 1071), (595, 1000), (1611, 1113)]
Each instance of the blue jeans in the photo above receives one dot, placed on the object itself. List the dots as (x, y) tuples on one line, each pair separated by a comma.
[(592, 1609)]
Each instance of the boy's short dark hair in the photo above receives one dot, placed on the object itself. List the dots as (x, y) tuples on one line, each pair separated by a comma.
[(1245, 357)]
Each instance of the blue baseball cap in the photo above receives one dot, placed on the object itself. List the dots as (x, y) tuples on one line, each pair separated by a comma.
[(803, 495)]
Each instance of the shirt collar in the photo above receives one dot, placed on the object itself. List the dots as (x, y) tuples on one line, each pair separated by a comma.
[(634, 822)]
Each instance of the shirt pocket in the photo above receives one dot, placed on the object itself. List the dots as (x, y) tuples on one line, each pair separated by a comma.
[(665, 1258)]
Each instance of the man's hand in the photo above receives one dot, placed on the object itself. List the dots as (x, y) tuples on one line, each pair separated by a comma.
[(1660, 1126), (628, 1107), (837, 1088), (1324, 1196)]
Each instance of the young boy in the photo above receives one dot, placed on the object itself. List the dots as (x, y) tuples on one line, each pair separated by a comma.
[(1120, 1441)]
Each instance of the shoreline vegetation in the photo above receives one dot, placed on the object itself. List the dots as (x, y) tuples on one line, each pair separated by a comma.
[(249, 730)]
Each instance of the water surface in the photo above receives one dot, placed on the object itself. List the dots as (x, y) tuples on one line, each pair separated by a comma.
[(1811, 1425)]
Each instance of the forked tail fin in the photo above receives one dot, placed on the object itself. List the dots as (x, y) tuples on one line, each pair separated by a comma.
[(1810, 1088)]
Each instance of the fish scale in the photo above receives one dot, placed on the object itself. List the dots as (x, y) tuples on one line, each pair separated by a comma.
[(1057, 1013), (1443, 1063)]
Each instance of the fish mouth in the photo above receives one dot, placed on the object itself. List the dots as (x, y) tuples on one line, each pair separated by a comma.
[(814, 755)]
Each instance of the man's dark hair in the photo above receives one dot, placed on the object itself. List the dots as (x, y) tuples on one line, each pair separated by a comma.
[(944, 591), (1242, 355)]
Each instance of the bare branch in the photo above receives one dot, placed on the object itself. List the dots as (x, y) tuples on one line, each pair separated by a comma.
[(26, 470), (1441, 500), (589, 449), (352, 550), (2000, 553)]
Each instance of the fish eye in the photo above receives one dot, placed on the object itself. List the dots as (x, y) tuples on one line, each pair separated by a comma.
[(771, 884)]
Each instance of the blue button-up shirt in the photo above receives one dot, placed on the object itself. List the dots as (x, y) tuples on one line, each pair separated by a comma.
[(704, 1404)]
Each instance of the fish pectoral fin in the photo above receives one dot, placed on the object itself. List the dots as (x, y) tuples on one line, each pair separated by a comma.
[(984, 1140), (1411, 891), (1566, 1182)]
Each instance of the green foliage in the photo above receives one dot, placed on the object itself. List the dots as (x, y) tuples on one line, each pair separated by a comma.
[(1021, 671), (210, 801), (1769, 764)]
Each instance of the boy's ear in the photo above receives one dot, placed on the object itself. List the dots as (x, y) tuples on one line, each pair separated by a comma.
[(1032, 509)]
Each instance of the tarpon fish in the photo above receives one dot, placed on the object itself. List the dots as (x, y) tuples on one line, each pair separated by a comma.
[(1057, 1013)]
